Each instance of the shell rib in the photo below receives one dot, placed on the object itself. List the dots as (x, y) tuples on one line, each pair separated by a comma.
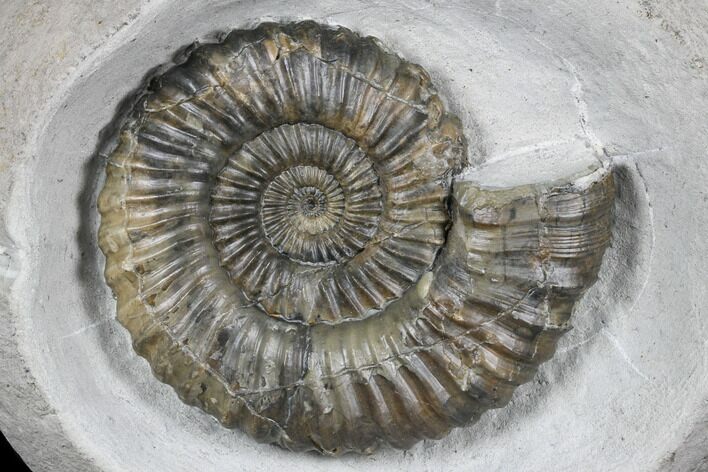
[(287, 251)]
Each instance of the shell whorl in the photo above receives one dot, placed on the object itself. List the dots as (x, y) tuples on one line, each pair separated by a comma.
[(287, 251)]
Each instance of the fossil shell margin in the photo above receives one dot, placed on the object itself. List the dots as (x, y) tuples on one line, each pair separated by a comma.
[(357, 410)]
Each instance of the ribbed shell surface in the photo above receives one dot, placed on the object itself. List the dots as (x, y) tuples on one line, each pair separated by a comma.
[(287, 251)]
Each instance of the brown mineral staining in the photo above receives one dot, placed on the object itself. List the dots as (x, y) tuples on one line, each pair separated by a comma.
[(287, 253)]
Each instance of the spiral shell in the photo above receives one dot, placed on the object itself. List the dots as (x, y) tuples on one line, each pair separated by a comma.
[(287, 252)]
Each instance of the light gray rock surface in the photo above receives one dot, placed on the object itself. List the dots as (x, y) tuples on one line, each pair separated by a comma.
[(628, 79)]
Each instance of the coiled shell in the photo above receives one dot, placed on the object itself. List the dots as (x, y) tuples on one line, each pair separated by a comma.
[(277, 228)]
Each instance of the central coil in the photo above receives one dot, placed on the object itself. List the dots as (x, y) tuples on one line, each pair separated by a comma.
[(312, 228)]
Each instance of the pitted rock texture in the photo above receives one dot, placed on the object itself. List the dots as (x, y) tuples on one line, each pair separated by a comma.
[(287, 251)]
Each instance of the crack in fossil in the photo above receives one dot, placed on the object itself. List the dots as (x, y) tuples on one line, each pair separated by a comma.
[(204, 91), (397, 356)]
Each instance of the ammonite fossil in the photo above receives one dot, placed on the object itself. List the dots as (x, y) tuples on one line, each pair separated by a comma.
[(288, 252)]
